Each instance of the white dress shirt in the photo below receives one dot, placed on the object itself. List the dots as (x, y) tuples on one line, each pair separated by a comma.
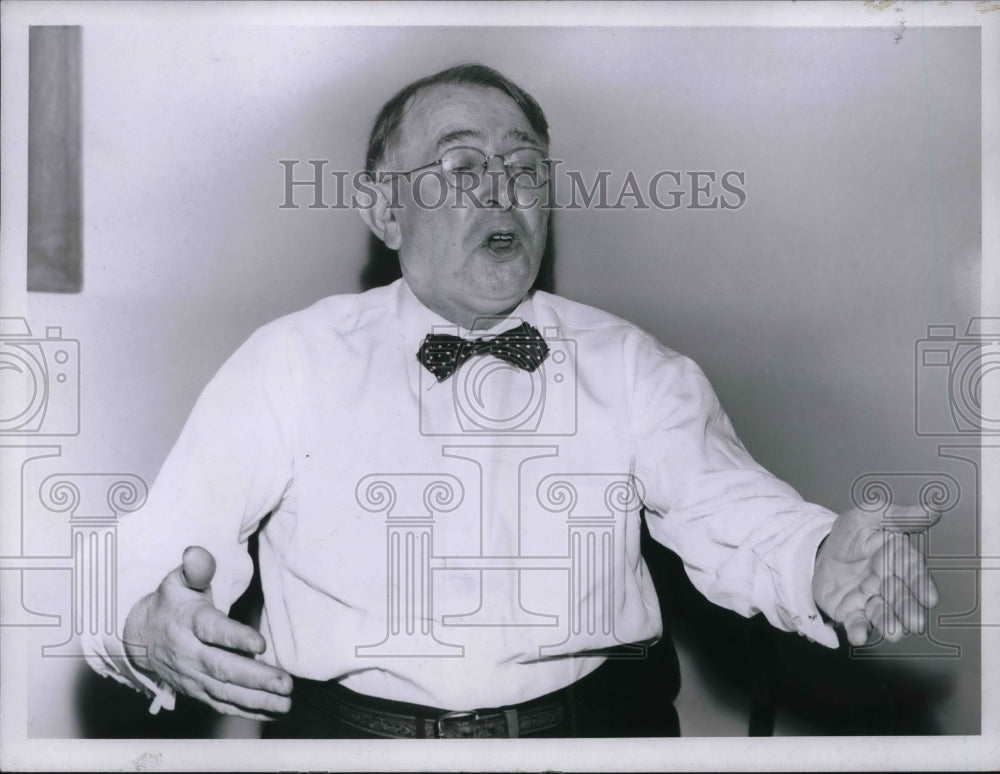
[(472, 542)]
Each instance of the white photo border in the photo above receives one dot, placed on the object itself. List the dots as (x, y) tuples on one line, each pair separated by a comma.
[(18, 752)]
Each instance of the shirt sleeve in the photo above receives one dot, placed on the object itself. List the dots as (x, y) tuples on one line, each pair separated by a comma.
[(748, 541), (230, 467)]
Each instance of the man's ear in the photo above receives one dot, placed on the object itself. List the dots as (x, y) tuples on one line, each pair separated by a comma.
[(378, 215)]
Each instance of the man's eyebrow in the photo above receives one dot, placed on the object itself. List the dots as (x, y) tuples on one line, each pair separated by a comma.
[(458, 134), (519, 134)]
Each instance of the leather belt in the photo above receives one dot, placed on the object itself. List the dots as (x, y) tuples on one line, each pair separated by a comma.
[(508, 722)]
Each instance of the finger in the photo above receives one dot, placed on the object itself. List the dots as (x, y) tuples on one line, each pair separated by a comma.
[(871, 585), (213, 627), (231, 700), (904, 605), (911, 614), (880, 615), (908, 584), (932, 596), (231, 708), (909, 518), (197, 568), (910, 611), (239, 670), (851, 613), (852, 602), (247, 698), (910, 565), (857, 628), (881, 563)]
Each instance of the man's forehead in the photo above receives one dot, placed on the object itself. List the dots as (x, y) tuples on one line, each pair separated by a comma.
[(446, 113), (450, 137)]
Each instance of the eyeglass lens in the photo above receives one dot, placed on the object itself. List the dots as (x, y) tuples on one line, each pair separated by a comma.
[(525, 166)]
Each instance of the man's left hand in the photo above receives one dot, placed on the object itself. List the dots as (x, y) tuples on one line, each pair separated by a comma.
[(870, 574)]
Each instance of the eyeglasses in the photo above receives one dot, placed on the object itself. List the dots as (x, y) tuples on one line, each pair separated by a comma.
[(462, 167)]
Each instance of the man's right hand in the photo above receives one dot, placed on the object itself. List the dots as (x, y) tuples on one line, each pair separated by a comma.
[(178, 634)]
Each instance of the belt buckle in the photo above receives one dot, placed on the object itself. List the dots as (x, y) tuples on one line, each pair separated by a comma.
[(458, 715)]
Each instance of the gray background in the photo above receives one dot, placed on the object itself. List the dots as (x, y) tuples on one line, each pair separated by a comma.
[(861, 227)]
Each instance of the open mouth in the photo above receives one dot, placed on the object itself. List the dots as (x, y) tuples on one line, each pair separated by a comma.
[(501, 242)]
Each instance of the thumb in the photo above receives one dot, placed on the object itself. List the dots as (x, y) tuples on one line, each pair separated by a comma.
[(197, 568), (909, 518)]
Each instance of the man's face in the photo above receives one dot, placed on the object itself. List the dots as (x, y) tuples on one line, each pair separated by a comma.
[(478, 258)]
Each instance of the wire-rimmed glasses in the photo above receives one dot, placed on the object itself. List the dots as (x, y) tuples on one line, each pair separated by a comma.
[(463, 166)]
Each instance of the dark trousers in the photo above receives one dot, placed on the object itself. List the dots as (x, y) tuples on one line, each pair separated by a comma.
[(622, 698)]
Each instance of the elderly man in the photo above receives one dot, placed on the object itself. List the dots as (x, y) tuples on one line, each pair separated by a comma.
[(448, 476)]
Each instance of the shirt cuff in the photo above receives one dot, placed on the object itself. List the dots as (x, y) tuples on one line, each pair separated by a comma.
[(807, 619), (106, 656)]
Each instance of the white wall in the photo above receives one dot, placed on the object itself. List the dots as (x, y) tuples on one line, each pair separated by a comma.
[(861, 227)]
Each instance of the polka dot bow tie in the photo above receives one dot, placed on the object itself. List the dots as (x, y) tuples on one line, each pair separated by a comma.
[(523, 347)]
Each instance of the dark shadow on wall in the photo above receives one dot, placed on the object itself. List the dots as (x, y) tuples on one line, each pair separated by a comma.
[(382, 267), (109, 710), (771, 674)]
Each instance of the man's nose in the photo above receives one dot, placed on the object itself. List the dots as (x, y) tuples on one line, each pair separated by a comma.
[(497, 184)]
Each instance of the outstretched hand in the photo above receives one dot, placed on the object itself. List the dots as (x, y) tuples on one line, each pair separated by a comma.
[(179, 635), (870, 574)]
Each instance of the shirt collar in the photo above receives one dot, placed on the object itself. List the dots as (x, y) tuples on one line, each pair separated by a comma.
[(416, 320)]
